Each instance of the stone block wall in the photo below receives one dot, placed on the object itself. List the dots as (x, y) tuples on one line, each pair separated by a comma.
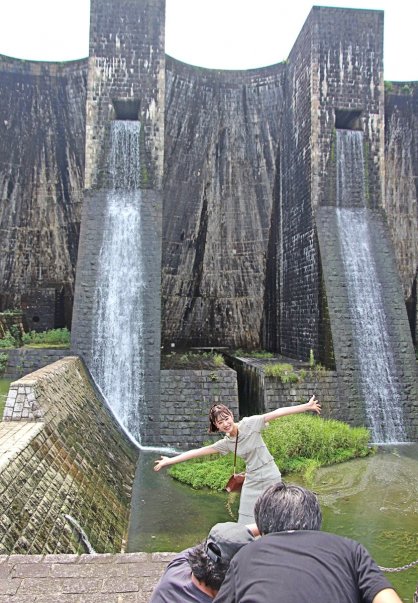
[(324, 384), (260, 393), (67, 456), (126, 81), (22, 361), (186, 397), (347, 93), (298, 266)]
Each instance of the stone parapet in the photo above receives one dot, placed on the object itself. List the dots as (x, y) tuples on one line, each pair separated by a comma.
[(69, 467), (186, 396), (22, 361)]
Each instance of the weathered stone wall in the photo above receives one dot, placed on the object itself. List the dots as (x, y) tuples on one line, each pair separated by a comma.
[(186, 397), (74, 460), (348, 93), (22, 361), (126, 81), (42, 137), (334, 73), (298, 267), (260, 393), (401, 186), (221, 140)]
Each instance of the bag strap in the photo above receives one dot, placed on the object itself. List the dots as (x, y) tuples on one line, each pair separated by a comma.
[(235, 453)]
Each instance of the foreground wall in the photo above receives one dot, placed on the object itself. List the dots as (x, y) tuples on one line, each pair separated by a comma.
[(62, 454)]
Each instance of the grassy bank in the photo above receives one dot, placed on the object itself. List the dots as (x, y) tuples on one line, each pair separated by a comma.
[(4, 388), (298, 444)]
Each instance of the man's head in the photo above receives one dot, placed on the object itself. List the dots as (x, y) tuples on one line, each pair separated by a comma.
[(287, 507), (210, 560)]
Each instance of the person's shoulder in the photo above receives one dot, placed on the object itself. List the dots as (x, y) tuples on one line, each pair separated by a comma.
[(180, 559), (336, 540), (252, 422)]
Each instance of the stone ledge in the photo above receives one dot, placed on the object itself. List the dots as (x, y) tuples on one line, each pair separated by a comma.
[(119, 578)]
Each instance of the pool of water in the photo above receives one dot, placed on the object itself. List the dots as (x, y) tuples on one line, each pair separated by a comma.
[(373, 500)]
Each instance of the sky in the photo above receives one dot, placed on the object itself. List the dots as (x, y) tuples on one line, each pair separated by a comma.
[(222, 34)]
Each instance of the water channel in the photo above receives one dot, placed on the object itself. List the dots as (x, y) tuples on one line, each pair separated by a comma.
[(373, 500)]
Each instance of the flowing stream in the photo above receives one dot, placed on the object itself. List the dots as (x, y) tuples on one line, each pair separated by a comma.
[(378, 374), (117, 342), (372, 500)]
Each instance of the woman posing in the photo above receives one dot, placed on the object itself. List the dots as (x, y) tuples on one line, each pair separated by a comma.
[(261, 470)]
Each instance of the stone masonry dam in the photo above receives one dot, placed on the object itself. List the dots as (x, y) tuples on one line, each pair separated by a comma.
[(237, 190)]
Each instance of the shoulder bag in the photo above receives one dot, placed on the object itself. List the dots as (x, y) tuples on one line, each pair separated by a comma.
[(236, 480)]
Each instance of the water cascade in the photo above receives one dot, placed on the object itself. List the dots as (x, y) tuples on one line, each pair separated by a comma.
[(117, 334), (378, 374)]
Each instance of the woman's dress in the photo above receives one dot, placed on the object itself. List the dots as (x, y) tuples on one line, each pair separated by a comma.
[(261, 470)]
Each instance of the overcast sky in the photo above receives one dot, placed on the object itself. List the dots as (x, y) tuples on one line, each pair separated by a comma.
[(228, 34)]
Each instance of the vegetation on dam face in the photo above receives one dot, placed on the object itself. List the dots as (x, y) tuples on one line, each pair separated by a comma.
[(299, 444)]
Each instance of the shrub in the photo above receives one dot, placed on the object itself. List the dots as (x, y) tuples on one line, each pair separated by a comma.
[(298, 444), (283, 372), (50, 337), (253, 353), (3, 362), (218, 360), (8, 341), (192, 360)]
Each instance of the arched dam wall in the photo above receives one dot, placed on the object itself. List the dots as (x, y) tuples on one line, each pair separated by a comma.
[(239, 119), (236, 168), (42, 138), (62, 453), (401, 186), (221, 146)]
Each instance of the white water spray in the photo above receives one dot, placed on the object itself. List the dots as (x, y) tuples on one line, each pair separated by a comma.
[(379, 382), (117, 342)]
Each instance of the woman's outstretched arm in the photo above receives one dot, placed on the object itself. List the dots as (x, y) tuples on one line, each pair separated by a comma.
[(312, 405), (184, 456)]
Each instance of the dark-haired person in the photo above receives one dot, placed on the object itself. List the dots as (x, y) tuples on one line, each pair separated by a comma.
[(294, 561), (261, 470), (196, 574)]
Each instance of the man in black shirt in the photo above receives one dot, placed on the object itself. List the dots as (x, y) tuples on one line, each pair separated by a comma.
[(294, 561)]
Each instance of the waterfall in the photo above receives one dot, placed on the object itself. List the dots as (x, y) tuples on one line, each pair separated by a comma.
[(378, 375), (117, 334)]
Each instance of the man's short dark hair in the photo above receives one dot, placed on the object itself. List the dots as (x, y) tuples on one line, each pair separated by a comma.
[(204, 569), (287, 507)]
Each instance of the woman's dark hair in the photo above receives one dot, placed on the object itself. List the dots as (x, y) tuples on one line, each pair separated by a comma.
[(216, 411), (283, 507), (205, 570)]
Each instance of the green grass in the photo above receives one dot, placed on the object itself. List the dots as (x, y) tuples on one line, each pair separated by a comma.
[(47, 339), (284, 372), (4, 388), (253, 353), (299, 444)]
